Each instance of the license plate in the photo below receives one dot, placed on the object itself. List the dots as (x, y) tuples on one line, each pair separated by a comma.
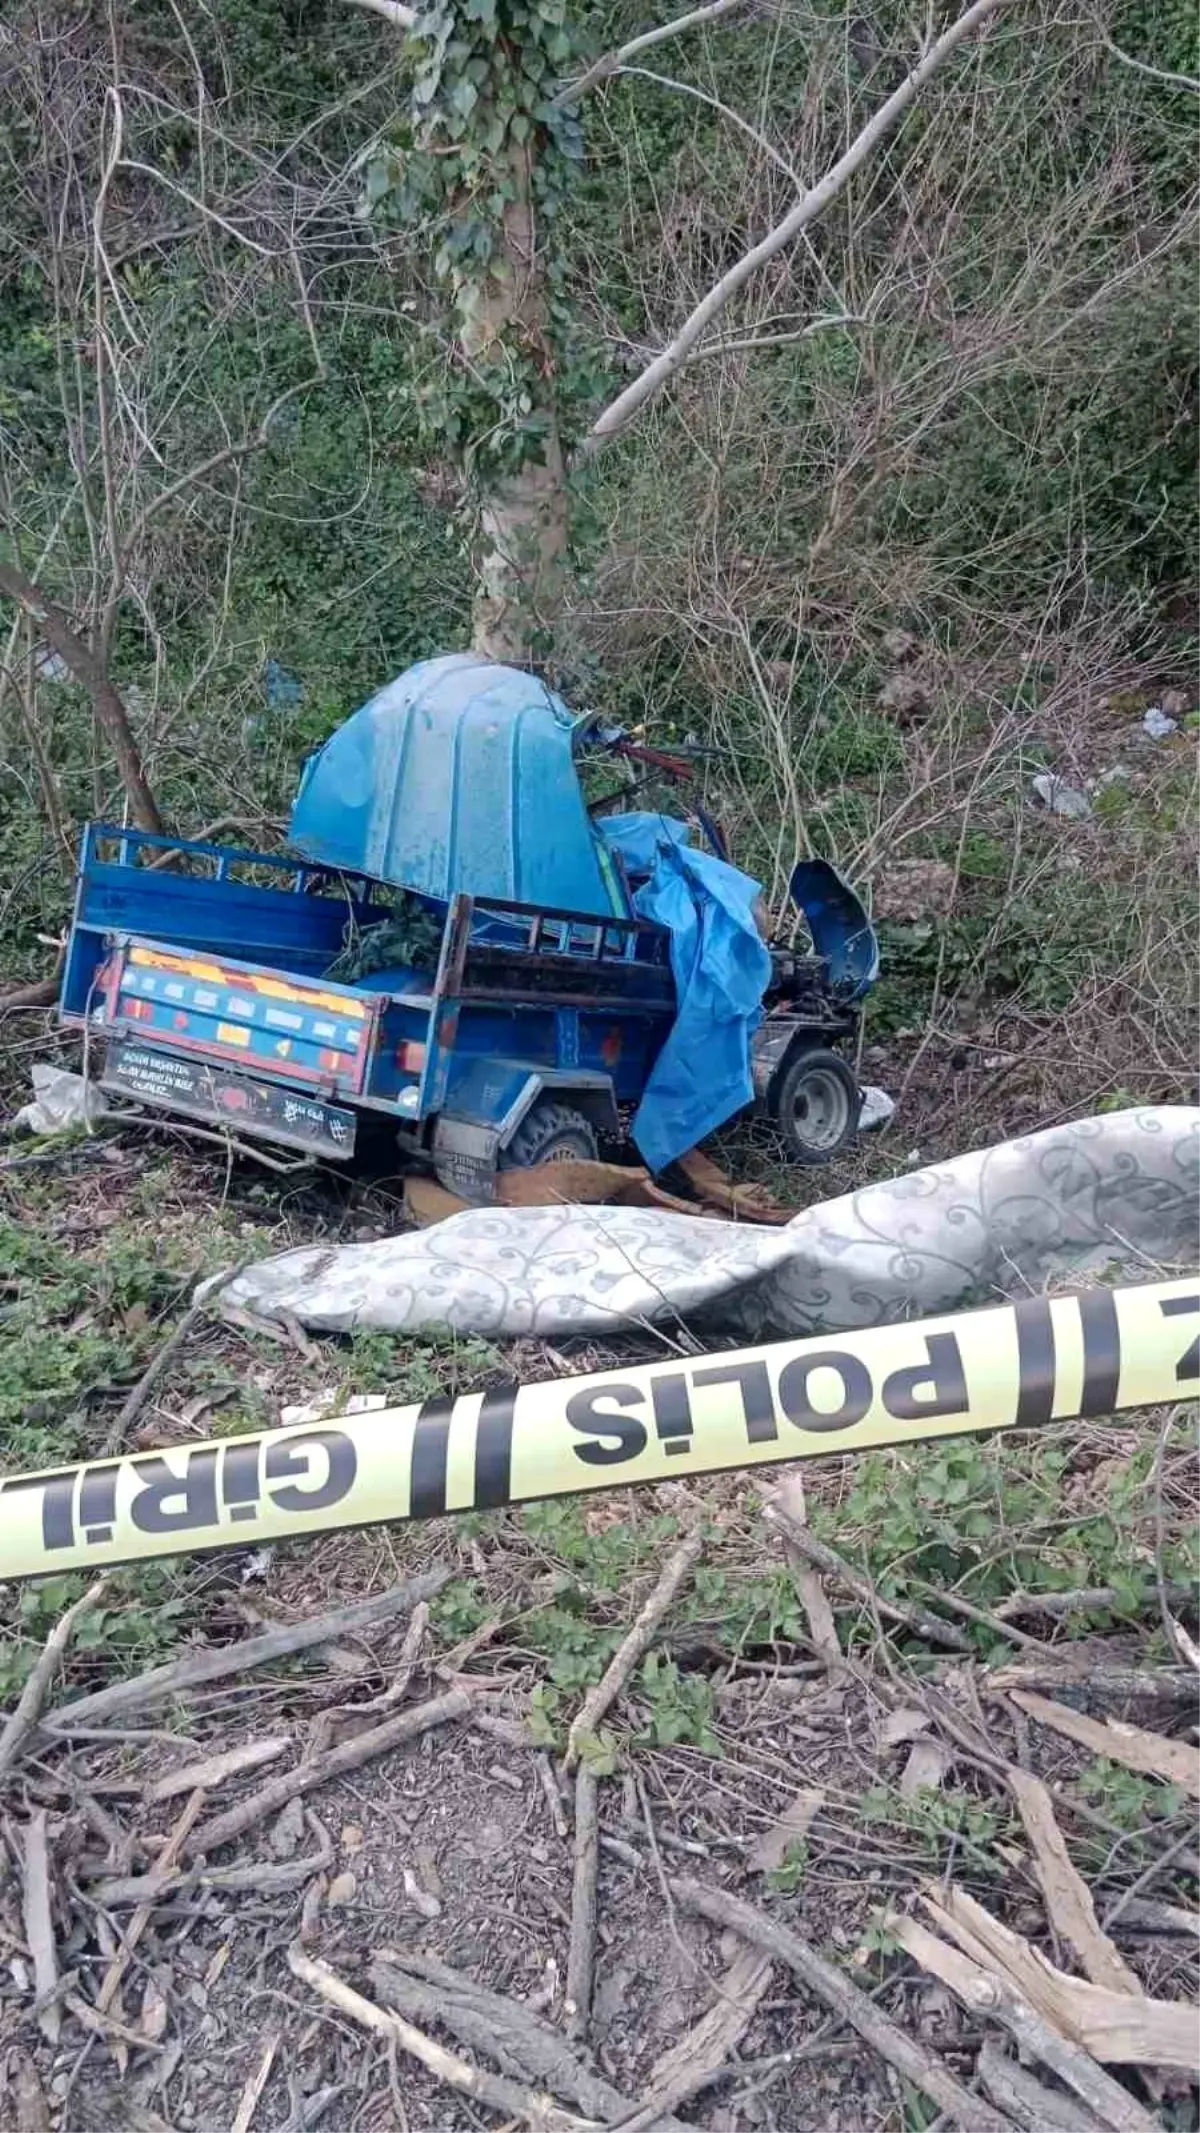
[(198, 1090)]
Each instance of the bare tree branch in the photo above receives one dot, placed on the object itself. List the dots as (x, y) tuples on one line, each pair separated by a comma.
[(92, 674), (612, 62), (621, 411), (687, 88), (1142, 66), (228, 452)]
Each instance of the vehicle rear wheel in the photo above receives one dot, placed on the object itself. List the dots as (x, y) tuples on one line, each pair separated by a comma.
[(550, 1132), (818, 1106)]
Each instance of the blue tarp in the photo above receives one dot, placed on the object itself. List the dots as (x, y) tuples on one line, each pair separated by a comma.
[(721, 968)]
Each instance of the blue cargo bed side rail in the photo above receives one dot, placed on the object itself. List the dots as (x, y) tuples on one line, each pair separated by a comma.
[(212, 898)]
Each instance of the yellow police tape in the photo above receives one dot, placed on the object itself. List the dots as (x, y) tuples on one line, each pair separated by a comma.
[(1017, 1366)]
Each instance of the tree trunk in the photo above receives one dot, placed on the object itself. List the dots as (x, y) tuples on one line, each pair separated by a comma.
[(522, 535), (92, 674)]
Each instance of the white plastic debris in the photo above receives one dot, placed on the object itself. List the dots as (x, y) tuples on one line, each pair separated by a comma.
[(1059, 797), (1157, 723), (877, 1107), (61, 1101), (324, 1404)]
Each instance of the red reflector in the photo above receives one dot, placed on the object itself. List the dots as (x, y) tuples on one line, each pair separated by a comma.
[(410, 1056)]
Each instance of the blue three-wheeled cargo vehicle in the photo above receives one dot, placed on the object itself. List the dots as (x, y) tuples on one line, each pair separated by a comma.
[(454, 947)]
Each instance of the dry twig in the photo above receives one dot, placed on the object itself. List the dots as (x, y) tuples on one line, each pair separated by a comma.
[(581, 1951), (1027, 2101), (984, 1992), (200, 1668), (348, 1755), (601, 1699), (141, 1917), (1117, 2028), (215, 1769), (39, 1923), (137, 1396), (1150, 1753), (910, 2059), (256, 2083), (495, 2091), (909, 1612), (788, 1499), (423, 1988), (24, 1717), (410, 1651), (1068, 1898)]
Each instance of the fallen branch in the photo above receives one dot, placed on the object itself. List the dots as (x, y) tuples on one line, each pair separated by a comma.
[(423, 1988), (37, 1918), (581, 1952), (215, 1769), (1027, 2101), (41, 992), (1086, 1599), (260, 1877), (136, 1398), (414, 1637), (908, 1612), (1144, 1915), (983, 1992), (494, 2091), (255, 2084), (348, 1755), (200, 1668), (141, 1917), (1095, 1681), (1116, 2028), (634, 1647), (901, 2051), (701, 2055), (788, 1500), (1176, 1761), (1067, 1896), (28, 1709)]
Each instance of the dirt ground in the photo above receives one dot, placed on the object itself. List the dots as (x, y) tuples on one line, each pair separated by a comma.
[(830, 1770)]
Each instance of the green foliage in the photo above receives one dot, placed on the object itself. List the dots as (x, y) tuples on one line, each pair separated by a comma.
[(1124, 1797), (792, 1870), (76, 1322), (422, 1366), (143, 1616), (411, 936), (485, 157), (941, 1818), (680, 1707), (987, 1518)]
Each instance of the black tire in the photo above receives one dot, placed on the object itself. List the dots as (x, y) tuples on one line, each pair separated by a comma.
[(817, 1106), (550, 1132)]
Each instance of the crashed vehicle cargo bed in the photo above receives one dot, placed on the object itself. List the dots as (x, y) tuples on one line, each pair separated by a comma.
[(519, 1004)]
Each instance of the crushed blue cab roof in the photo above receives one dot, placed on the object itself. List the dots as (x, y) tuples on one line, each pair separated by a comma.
[(459, 776)]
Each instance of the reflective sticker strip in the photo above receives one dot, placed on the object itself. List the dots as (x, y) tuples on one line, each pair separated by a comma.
[(232, 1033), (259, 981), (1015, 1366)]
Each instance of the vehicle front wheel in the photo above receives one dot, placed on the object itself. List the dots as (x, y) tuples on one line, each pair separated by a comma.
[(817, 1107), (550, 1132)]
